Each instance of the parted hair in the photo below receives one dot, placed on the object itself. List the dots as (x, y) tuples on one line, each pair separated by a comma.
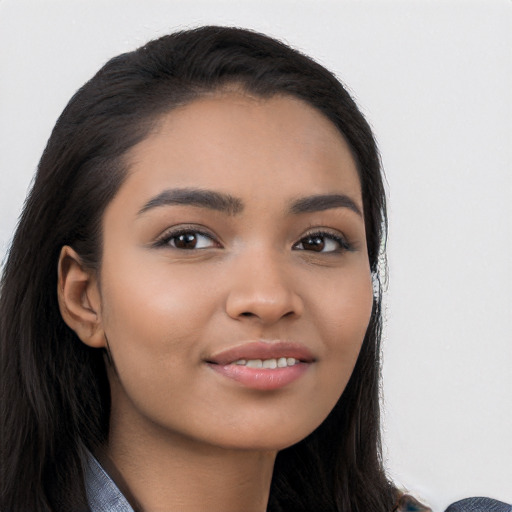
[(54, 389)]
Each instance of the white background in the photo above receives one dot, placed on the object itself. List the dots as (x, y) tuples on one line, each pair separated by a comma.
[(434, 79)]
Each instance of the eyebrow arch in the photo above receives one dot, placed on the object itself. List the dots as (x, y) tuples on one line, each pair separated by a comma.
[(195, 197), (324, 202)]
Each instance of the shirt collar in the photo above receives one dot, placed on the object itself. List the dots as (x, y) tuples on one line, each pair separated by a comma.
[(102, 493)]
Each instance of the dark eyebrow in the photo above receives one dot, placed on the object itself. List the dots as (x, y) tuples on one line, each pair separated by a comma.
[(196, 197), (324, 202)]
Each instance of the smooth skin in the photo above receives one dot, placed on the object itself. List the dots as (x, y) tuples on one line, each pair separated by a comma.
[(182, 280)]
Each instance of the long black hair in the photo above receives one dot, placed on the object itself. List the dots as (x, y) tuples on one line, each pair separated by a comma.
[(55, 393)]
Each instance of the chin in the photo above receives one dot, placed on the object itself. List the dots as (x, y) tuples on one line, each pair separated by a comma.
[(264, 437)]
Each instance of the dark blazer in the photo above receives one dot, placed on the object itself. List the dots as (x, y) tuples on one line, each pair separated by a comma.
[(479, 505), (409, 504)]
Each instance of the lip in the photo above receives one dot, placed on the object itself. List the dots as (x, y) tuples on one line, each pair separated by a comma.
[(264, 379), (263, 350)]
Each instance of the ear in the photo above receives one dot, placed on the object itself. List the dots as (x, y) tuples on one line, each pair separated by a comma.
[(80, 299)]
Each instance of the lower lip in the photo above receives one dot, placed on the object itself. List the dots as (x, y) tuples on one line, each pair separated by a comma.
[(262, 378)]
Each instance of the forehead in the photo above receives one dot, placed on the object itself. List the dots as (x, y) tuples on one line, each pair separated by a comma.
[(252, 145)]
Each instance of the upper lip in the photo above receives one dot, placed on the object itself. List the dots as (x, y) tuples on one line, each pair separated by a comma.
[(262, 350)]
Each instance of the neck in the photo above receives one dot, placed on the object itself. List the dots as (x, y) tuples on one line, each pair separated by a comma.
[(162, 472)]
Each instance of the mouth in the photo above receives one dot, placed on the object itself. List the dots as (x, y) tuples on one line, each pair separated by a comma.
[(263, 365), (268, 364)]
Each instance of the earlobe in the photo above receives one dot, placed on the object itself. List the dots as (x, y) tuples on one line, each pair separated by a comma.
[(79, 298)]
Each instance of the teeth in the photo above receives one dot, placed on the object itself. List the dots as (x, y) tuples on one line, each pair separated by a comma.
[(270, 364), (254, 363)]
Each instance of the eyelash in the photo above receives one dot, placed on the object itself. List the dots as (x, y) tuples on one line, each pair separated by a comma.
[(165, 239), (344, 245)]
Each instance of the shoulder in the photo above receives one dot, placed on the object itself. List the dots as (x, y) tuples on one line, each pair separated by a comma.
[(407, 503), (479, 505)]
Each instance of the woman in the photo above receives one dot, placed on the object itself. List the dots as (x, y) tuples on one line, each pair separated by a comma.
[(190, 307)]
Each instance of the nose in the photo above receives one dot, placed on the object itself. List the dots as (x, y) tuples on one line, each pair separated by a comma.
[(262, 289)]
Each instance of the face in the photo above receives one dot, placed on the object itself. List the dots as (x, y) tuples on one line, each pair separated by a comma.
[(235, 287)]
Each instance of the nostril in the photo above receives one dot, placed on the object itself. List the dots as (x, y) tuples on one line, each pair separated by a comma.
[(248, 314), (268, 306)]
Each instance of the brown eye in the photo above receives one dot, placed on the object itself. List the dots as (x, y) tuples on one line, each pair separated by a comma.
[(187, 240), (322, 242), (313, 243)]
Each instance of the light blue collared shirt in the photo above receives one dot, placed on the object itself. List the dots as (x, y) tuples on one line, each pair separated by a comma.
[(102, 493)]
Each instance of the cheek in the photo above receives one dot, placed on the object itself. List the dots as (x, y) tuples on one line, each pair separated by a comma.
[(155, 313), (343, 316), (155, 322)]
